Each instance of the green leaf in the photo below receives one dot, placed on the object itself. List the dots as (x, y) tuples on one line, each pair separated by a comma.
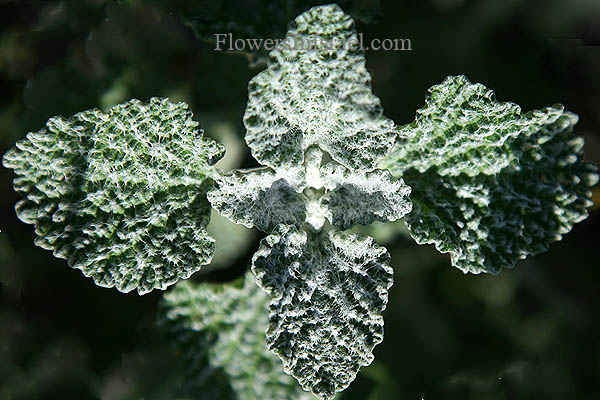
[(328, 291), (220, 330), (491, 185), (318, 96), (121, 194), (462, 129)]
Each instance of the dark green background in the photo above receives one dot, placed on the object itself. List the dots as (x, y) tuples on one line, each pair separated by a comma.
[(528, 333)]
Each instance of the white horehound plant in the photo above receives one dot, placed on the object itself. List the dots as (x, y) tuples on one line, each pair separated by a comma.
[(125, 196)]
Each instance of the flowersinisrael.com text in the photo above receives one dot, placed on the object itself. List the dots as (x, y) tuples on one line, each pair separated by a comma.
[(225, 41)]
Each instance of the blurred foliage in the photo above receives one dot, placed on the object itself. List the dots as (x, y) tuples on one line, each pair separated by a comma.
[(219, 331), (527, 333)]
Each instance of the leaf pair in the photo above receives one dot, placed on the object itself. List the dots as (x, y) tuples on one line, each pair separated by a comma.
[(266, 198)]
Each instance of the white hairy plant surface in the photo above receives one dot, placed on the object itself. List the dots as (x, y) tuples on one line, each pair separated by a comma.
[(125, 196)]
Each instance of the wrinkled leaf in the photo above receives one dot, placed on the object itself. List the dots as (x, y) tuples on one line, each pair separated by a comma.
[(120, 195), (462, 129), (328, 291), (260, 198), (320, 96), (510, 183), (360, 198)]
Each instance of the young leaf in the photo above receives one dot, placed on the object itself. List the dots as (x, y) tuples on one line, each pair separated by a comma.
[(360, 198), (220, 330), (320, 96), (328, 291), (491, 185), (120, 195), (260, 198)]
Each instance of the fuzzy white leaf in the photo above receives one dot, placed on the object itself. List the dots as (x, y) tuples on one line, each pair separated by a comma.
[(317, 96), (121, 194), (328, 291)]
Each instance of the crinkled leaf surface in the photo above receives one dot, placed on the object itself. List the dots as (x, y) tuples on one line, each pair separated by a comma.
[(462, 129), (512, 183), (314, 122), (261, 198), (220, 330), (320, 96), (360, 198), (328, 291), (120, 194), (264, 199)]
